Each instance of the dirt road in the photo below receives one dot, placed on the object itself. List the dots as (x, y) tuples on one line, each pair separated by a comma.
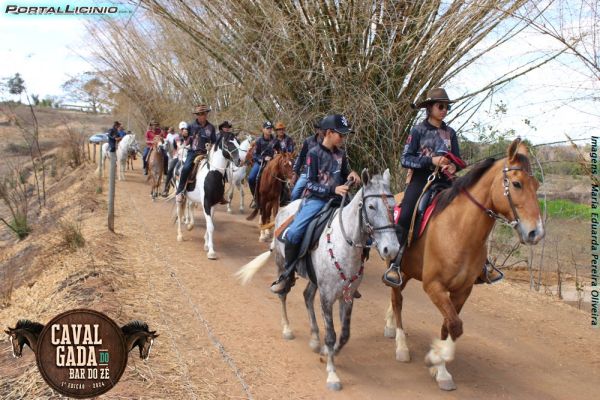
[(227, 339)]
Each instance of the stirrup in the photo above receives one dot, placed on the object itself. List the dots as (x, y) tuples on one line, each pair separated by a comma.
[(487, 275), (389, 282), (290, 281)]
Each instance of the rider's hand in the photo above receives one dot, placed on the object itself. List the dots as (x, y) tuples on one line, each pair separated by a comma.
[(451, 168), (354, 176), (341, 190), (267, 158), (439, 161)]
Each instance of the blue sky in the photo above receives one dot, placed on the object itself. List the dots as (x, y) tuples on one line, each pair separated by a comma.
[(44, 50)]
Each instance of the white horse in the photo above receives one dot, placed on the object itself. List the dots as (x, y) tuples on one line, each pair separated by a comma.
[(126, 144), (237, 174), (337, 261), (209, 189)]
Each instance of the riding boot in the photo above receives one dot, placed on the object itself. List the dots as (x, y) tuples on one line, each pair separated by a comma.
[(288, 278), (391, 276), (489, 274)]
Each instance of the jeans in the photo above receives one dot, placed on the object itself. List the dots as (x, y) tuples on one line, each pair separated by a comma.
[(170, 170), (145, 157), (307, 211), (185, 171), (299, 186), (252, 176)]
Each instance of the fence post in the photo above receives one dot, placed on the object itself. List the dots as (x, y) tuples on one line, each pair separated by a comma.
[(111, 191), (100, 163), (94, 153)]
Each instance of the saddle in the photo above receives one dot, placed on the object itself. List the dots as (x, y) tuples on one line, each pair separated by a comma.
[(191, 182), (424, 209), (310, 241)]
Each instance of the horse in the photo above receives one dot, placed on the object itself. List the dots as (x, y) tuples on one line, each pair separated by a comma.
[(275, 175), (26, 332), (138, 334), (125, 146), (236, 175), (132, 155), (338, 261), (209, 189), (156, 165), (448, 257)]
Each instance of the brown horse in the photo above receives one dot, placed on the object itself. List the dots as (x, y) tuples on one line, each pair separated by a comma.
[(275, 176), (137, 334), (250, 154), (156, 165), (449, 256), (26, 332)]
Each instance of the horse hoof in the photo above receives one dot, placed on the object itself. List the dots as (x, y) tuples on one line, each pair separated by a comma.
[(211, 255), (229, 211), (241, 210), (389, 332), (180, 238), (447, 385), (289, 335), (335, 386), (314, 345), (403, 355), (189, 227)]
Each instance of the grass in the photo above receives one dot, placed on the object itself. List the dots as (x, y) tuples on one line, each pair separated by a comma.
[(71, 234), (567, 209)]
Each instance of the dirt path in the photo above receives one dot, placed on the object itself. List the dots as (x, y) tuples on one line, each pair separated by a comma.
[(227, 339)]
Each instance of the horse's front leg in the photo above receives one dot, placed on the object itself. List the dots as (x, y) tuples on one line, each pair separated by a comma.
[(189, 213), (230, 198), (345, 318), (402, 352), (333, 381), (309, 301), (240, 189), (208, 236), (443, 351)]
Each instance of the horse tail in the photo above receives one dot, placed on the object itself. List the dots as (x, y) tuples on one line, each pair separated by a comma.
[(246, 273), (253, 215)]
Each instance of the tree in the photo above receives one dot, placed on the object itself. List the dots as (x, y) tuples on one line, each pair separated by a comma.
[(87, 88), (16, 85)]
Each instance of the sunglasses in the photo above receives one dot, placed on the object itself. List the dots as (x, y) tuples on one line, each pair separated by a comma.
[(443, 106)]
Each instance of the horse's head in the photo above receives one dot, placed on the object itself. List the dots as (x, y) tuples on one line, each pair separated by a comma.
[(514, 194), (158, 142), (250, 154), (230, 147), (285, 165), (17, 340), (377, 213), (138, 334)]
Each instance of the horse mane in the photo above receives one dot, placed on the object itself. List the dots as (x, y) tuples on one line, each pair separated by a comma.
[(28, 325), (464, 182), (134, 326)]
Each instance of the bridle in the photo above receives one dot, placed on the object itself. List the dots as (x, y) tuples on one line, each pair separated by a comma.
[(365, 225), (506, 184)]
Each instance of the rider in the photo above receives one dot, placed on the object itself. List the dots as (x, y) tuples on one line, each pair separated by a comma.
[(300, 165), (423, 152), (173, 138), (149, 141), (328, 170), (201, 132), (224, 128), (283, 143), (263, 151)]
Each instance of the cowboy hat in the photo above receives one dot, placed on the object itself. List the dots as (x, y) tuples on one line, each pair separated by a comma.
[(436, 95), (201, 108), (225, 124), (279, 125)]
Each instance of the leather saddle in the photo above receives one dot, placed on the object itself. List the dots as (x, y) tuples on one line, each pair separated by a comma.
[(191, 182), (424, 209), (310, 241)]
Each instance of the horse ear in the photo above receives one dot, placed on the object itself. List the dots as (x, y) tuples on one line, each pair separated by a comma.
[(364, 176), (513, 149), (386, 176), (154, 334)]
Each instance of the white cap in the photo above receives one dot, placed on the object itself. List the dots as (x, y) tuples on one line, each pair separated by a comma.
[(183, 125)]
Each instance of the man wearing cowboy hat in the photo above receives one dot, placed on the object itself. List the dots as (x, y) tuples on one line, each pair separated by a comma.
[(201, 132), (225, 127), (424, 151), (283, 143)]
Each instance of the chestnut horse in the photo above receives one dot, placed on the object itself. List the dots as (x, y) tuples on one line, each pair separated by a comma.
[(156, 165), (275, 176), (448, 257)]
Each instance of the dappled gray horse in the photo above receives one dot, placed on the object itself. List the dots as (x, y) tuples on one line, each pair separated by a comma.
[(338, 261)]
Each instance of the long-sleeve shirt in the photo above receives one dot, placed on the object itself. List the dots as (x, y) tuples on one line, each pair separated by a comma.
[(200, 135), (263, 148), (284, 145), (309, 143), (149, 138), (327, 169), (426, 141)]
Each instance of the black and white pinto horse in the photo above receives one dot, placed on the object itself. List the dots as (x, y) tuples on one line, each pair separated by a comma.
[(237, 174), (209, 189)]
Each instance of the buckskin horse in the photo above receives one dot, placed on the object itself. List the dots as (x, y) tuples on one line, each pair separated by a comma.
[(275, 176), (338, 261), (156, 165), (26, 332), (209, 189), (448, 257)]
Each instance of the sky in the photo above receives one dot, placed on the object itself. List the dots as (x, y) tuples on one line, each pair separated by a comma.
[(47, 51)]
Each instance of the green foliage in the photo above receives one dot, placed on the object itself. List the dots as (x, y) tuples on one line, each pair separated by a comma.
[(16, 84), (35, 98), (19, 226), (567, 209), (71, 234)]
